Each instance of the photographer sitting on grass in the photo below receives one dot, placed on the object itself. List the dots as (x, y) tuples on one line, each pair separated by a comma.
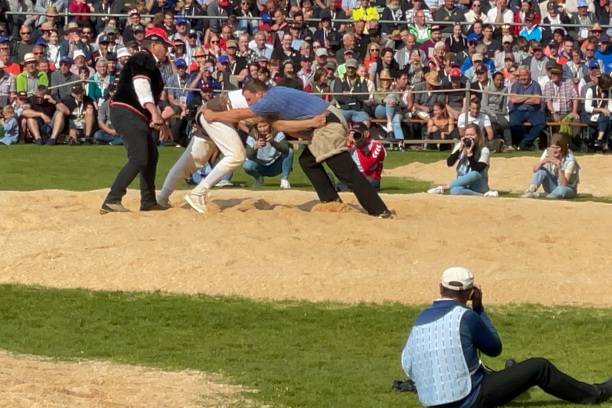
[(557, 171), (472, 158)]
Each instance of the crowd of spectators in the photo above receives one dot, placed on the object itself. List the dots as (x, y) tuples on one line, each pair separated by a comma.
[(398, 67)]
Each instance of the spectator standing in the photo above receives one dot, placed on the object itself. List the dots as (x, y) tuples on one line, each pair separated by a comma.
[(526, 105), (557, 171), (442, 355), (268, 154)]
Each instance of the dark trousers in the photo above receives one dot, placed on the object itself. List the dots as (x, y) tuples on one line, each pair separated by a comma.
[(142, 156), (343, 166), (524, 136), (501, 387)]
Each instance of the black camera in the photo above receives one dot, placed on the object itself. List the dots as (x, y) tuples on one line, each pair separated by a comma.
[(467, 142)]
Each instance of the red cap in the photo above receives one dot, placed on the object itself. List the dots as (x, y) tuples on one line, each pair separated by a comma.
[(158, 34), (455, 73)]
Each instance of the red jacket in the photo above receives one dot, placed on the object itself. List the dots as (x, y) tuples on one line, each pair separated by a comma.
[(369, 159)]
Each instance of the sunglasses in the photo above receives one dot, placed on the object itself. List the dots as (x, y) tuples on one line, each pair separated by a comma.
[(38, 53), (215, 42), (25, 32), (374, 50), (199, 56)]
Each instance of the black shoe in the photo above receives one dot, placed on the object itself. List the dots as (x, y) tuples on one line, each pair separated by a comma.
[(37, 141), (51, 142), (605, 389), (112, 207), (510, 363), (153, 207)]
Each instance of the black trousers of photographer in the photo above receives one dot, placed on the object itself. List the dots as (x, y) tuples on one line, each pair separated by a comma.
[(501, 387), (142, 156)]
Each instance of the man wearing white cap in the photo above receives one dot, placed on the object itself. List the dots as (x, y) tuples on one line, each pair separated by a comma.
[(441, 356)]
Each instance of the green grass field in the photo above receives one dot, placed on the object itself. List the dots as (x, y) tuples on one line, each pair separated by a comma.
[(295, 354)]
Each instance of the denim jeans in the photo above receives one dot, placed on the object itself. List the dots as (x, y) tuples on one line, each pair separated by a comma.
[(472, 183), (283, 166), (355, 116), (386, 111), (103, 137), (522, 135), (548, 181)]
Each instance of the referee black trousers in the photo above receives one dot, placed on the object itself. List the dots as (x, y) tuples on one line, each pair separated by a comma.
[(501, 387), (343, 166), (142, 156)]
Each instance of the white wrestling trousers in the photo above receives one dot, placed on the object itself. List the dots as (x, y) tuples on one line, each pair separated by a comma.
[(196, 155), (228, 141)]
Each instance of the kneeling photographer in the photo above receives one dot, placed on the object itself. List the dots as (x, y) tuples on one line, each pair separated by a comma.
[(471, 157)]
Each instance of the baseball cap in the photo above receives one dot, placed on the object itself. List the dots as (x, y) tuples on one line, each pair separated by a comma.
[(581, 3), (180, 21), (65, 60), (231, 44), (138, 28), (507, 39), (477, 57), (103, 39), (180, 63), (457, 278), (158, 34), (320, 52), (435, 28), (4, 40), (223, 59), (592, 64), (29, 57), (331, 65), (455, 73), (604, 38), (349, 51), (41, 41), (351, 63), (133, 12)]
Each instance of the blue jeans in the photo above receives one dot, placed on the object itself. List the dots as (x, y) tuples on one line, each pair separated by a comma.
[(103, 137), (282, 165), (520, 134), (472, 183), (356, 116), (390, 111), (548, 181)]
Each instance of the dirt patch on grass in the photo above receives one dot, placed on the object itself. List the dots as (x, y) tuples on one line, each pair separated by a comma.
[(514, 174), (284, 245), (35, 382)]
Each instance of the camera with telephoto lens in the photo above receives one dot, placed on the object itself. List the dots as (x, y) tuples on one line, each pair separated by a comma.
[(467, 142), (357, 137)]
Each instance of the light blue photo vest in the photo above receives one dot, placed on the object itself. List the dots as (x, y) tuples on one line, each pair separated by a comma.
[(434, 359)]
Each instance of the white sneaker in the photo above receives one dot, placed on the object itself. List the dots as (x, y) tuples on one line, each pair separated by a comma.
[(491, 193), (285, 184), (224, 183), (530, 194), (197, 201), (388, 127), (436, 190)]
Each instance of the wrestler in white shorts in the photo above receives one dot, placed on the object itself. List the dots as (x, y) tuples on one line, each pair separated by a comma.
[(198, 152)]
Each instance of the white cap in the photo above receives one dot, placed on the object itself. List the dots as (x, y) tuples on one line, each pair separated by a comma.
[(320, 52), (78, 53), (29, 57), (123, 52), (457, 278)]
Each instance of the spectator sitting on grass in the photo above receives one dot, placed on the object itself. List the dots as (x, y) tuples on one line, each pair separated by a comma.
[(557, 171), (472, 158), (268, 155), (442, 357), (9, 125)]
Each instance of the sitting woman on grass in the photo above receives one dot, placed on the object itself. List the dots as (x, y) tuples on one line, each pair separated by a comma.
[(472, 158), (557, 171)]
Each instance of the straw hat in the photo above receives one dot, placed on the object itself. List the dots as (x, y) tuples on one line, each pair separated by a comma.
[(432, 79)]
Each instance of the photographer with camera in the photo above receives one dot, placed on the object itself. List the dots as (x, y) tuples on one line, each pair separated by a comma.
[(268, 154), (441, 356), (472, 158), (368, 154)]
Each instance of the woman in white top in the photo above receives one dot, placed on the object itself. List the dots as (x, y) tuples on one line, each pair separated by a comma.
[(471, 156), (53, 54), (597, 108), (557, 171)]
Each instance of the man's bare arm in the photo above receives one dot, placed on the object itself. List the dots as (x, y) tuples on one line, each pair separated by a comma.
[(296, 126), (230, 116)]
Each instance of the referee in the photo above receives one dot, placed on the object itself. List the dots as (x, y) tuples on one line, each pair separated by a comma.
[(135, 115)]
